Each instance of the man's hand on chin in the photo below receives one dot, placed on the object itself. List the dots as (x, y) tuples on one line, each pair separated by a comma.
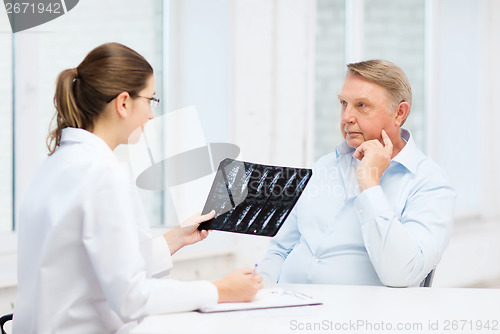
[(375, 158)]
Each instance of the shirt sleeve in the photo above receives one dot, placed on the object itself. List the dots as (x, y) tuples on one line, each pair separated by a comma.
[(279, 248), (112, 243), (162, 259), (405, 248)]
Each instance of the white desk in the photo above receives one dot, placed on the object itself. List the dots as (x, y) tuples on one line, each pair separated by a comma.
[(350, 309)]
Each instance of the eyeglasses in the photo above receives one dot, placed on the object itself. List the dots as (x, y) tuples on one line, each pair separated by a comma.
[(153, 101)]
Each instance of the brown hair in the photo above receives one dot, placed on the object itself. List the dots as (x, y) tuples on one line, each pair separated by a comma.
[(388, 75), (83, 92)]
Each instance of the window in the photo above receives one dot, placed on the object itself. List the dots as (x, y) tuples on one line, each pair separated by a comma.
[(395, 31), (186, 42), (349, 31), (330, 71), (6, 152), (43, 52)]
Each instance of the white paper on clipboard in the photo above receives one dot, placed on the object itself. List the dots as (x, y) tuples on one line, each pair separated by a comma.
[(266, 298)]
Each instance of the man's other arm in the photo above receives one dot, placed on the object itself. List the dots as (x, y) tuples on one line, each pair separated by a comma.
[(403, 250)]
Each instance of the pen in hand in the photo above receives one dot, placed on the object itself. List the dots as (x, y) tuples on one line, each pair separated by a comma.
[(254, 269)]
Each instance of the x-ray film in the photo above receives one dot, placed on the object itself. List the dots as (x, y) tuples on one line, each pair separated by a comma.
[(253, 199)]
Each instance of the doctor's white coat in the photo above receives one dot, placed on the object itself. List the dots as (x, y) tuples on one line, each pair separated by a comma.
[(86, 259)]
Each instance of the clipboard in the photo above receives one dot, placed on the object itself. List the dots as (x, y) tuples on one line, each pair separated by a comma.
[(266, 298), (253, 199)]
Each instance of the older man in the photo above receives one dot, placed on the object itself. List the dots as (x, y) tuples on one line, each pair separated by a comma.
[(377, 211)]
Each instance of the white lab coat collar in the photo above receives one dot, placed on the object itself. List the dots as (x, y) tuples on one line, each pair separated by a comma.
[(74, 135)]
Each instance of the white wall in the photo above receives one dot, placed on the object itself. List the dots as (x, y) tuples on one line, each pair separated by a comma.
[(472, 257), (199, 69), (273, 76), (462, 119)]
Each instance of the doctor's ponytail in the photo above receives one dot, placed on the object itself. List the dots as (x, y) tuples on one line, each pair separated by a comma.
[(67, 114), (82, 93)]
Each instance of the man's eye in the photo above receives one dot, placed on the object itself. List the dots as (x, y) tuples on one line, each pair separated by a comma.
[(361, 105), (343, 103)]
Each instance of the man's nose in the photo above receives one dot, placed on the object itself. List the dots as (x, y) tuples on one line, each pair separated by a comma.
[(348, 115)]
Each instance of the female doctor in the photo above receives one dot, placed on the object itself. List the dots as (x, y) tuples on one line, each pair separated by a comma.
[(86, 260)]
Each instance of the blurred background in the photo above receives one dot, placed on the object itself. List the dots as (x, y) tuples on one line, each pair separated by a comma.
[(264, 75)]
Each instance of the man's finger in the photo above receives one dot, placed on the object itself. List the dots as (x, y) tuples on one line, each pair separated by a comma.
[(359, 153), (387, 142)]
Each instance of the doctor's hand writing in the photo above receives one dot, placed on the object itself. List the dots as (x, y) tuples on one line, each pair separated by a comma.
[(187, 232), (375, 158), (239, 286)]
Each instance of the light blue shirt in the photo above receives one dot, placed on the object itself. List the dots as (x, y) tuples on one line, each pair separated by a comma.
[(393, 234)]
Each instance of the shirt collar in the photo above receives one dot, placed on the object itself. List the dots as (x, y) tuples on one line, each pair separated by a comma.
[(407, 157), (83, 136), (410, 155), (343, 149)]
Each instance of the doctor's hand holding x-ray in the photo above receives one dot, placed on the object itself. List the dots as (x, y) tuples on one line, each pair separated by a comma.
[(187, 233)]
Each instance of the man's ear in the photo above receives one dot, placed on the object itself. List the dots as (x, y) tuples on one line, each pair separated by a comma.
[(402, 113), (122, 102)]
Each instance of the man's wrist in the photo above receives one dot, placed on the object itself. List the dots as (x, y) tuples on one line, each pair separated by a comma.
[(370, 204), (365, 184)]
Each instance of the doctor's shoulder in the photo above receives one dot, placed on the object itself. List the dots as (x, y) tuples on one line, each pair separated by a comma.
[(89, 166)]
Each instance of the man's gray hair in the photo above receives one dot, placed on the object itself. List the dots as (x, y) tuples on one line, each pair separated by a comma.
[(387, 75)]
